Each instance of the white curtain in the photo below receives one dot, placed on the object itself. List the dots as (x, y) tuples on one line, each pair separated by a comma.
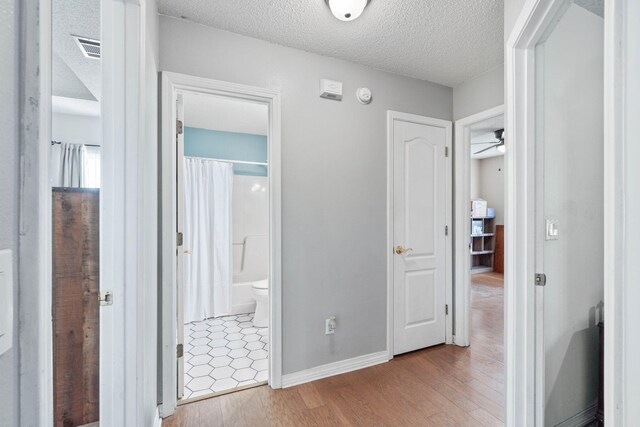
[(68, 165), (207, 235)]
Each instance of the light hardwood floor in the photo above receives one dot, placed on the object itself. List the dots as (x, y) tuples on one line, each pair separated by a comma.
[(439, 386)]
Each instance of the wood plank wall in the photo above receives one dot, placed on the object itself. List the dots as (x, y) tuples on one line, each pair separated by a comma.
[(75, 310)]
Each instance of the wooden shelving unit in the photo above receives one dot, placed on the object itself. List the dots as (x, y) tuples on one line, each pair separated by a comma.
[(483, 244)]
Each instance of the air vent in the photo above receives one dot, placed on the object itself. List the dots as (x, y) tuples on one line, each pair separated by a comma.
[(90, 48)]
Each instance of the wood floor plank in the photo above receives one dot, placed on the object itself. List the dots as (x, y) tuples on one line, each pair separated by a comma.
[(440, 386)]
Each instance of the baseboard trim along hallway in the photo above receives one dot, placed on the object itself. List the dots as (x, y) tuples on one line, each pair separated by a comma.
[(335, 368), (583, 418)]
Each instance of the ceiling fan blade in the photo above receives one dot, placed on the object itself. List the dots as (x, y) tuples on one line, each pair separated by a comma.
[(487, 149), (486, 142)]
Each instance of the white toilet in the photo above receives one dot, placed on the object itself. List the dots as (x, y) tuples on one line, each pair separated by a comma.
[(261, 293)]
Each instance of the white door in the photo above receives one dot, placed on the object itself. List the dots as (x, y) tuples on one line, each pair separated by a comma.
[(180, 251), (419, 221)]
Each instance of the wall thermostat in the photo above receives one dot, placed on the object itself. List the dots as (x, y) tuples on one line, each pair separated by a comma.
[(364, 95), (330, 89)]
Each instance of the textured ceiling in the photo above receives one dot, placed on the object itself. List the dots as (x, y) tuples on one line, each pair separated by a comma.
[(73, 75), (443, 41), (595, 6), (483, 132), (224, 114)]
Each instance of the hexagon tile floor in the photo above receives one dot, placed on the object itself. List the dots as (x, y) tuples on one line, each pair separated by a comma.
[(224, 353)]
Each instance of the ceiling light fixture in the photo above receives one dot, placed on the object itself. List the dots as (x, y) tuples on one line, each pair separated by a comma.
[(347, 10)]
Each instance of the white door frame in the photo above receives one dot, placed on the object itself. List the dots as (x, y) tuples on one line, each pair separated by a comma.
[(621, 196), (447, 125), (172, 83), (462, 239), (120, 355)]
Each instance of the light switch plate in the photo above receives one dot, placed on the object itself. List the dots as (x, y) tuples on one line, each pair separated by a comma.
[(552, 231), (6, 300)]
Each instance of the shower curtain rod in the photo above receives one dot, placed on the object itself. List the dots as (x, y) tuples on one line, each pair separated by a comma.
[(87, 145), (239, 162)]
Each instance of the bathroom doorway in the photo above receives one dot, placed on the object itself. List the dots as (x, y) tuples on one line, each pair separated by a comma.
[(223, 215), (224, 206)]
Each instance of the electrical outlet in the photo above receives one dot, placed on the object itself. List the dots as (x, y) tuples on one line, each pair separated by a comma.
[(330, 325)]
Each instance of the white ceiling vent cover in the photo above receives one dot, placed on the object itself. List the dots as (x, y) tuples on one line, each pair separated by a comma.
[(90, 48)]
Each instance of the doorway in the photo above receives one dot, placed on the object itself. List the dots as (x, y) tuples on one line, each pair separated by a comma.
[(570, 232), (221, 273), (223, 270), (75, 175), (479, 217), (419, 242)]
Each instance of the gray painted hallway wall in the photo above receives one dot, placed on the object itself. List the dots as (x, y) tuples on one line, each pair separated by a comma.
[(333, 181)]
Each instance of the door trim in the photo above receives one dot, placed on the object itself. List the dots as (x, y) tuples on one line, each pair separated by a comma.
[(462, 268), (392, 116), (622, 68), (171, 84), (524, 346)]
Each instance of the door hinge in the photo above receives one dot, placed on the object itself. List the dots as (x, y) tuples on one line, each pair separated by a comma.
[(180, 350), (541, 279), (446, 309), (446, 151), (105, 298), (446, 230), (179, 239), (179, 127)]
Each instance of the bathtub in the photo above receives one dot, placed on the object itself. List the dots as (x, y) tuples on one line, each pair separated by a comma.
[(242, 298)]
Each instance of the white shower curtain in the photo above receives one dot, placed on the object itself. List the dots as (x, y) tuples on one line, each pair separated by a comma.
[(68, 165), (207, 234)]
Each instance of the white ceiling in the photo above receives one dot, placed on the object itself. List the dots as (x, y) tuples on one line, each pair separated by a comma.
[(225, 114), (483, 132), (443, 41), (73, 75)]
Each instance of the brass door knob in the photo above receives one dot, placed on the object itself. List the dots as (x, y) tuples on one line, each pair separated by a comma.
[(400, 250)]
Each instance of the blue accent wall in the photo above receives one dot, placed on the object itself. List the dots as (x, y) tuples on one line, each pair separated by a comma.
[(228, 146)]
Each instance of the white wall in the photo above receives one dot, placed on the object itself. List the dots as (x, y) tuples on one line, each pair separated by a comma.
[(9, 113), (573, 141), (76, 129), (479, 94), (250, 217), (333, 177)]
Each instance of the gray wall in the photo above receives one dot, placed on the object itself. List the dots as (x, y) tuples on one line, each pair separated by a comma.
[(333, 181), (9, 193), (491, 177), (573, 143), (512, 9), (477, 95)]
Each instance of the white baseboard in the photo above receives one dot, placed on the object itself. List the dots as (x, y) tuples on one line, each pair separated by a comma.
[(582, 418), (334, 368), (157, 421)]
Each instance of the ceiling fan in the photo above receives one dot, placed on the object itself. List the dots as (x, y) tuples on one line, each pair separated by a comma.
[(499, 144)]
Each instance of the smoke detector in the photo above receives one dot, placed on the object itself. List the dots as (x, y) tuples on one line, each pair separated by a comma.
[(90, 48)]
